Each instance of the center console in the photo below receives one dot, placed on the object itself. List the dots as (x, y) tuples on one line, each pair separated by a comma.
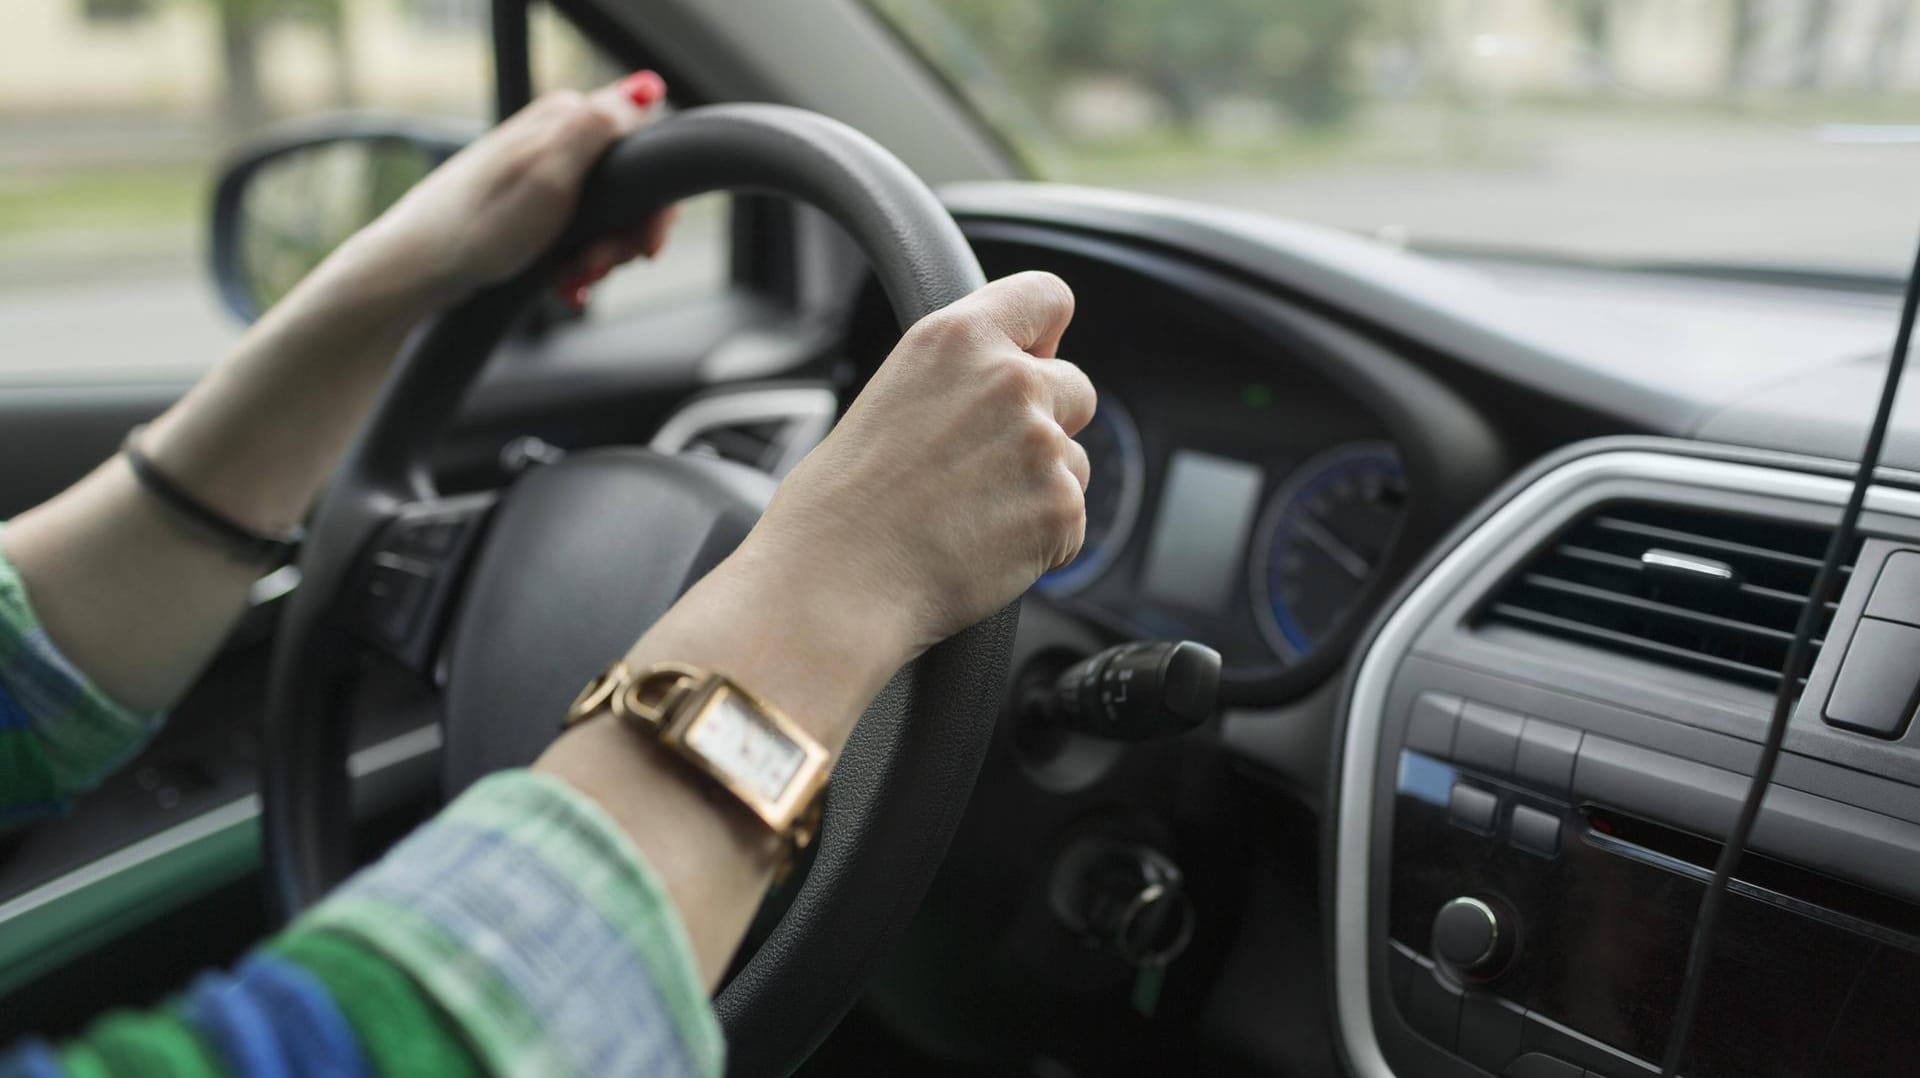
[(1546, 740)]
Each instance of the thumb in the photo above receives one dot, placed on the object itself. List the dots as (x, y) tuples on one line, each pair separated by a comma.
[(1031, 308)]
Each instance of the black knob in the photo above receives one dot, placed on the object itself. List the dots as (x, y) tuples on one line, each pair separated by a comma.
[(1137, 690), (1473, 935)]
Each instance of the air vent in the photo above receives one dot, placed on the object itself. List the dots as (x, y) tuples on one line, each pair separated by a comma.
[(757, 445), (766, 428), (1714, 593)]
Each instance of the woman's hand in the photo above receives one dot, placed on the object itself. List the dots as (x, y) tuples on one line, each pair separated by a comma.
[(490, 209), (949, 487), (953, 482)]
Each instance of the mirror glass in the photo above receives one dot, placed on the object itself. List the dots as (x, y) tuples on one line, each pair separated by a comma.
[(298, 206)]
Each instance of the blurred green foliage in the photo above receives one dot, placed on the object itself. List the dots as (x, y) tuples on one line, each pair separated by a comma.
[(1297, 53)]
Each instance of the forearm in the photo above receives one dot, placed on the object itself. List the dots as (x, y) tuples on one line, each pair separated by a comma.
[(138, 598), (813, 650)]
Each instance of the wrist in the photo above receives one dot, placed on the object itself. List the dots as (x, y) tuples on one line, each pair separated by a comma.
[(392, 269), (818, 653)]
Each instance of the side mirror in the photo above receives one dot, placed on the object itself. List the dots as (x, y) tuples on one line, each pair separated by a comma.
[(285, 202)]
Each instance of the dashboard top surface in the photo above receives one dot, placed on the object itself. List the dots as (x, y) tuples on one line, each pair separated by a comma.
[(1767, 365)]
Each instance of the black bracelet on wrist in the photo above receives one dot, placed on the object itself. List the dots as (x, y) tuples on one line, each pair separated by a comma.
[(271, 551)]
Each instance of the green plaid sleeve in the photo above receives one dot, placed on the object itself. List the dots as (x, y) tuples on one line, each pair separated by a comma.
[(527, 915), (59, 734)]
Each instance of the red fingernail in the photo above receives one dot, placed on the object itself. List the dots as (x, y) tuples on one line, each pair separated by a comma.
[(644, 88), (573, 291)]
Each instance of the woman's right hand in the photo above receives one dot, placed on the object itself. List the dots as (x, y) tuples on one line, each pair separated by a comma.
[(953, 481)]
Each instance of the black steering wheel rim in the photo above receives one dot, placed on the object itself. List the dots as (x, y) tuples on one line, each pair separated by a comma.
[(904, 778)]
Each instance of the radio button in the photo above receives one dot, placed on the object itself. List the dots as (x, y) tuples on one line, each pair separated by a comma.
[(1534, 831), (1430, 724), (1473, 808), (1487, 738), (1545, 759), (1469, 936)]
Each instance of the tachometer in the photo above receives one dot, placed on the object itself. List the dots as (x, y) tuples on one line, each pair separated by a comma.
[(1119, 474), (1319, 540)]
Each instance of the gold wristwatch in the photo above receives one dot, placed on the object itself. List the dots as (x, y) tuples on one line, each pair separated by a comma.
[(739, 741)]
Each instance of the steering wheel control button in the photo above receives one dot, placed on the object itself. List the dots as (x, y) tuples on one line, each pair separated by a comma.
[(1487, 738), (1545, 757), (1534, 831), (434, 536), (396, 593), (1430, 724), (1879, 682), (1473, 936), (1473, 808), (1896, 594)]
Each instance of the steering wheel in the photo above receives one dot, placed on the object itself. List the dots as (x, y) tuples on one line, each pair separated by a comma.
[(511, 602)]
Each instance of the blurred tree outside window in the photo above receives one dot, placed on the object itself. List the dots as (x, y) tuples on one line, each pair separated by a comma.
[(113, 10), (452, 15), (1781, 133)]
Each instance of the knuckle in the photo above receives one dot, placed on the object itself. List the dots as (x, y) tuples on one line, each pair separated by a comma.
[(944, 328), (1013, 380), (559, 106), (1041, 439), (1065, 508), (571, 115), (550, 182)]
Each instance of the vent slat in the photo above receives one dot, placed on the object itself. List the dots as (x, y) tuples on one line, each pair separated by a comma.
[(1625, 564), (1590, 586), (1648, 606), (1703, 542), (1621, 641)]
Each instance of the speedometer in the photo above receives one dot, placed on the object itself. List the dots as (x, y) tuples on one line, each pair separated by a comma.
[(1118, 475), (1319, 540)]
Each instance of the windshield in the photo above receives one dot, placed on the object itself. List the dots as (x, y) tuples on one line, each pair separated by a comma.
[(1781, 134)]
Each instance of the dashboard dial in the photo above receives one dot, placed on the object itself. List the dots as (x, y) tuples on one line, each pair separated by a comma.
[(1319, 540), (1119, 474)]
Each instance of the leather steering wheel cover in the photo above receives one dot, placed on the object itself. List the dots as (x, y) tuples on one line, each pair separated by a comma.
[(904, 778)]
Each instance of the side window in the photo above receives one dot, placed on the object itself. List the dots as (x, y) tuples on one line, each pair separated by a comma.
[(116, 114), (695, 260)]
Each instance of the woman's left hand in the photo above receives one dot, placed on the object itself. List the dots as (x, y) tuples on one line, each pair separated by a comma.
[(494, 206)]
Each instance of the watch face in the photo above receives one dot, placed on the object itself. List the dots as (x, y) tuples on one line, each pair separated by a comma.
[(745, 747)]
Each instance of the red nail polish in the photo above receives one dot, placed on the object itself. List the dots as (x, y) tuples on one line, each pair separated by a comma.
[(644, 88), (579, 297)]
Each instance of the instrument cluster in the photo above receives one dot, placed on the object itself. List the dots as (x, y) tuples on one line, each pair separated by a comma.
[(1244, 512)]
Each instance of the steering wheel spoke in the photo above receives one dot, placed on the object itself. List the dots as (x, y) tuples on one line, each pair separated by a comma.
[(404, 591)]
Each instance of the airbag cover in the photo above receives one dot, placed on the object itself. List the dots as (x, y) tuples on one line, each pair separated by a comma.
[(580, 558)]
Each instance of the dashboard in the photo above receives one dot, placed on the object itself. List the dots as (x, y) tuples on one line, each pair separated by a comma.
[(1455, 490)]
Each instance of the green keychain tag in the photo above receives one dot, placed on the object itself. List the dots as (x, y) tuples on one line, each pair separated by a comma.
[(1146, 988)]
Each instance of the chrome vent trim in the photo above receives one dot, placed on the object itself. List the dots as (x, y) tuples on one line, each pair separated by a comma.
[(769, 429)]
